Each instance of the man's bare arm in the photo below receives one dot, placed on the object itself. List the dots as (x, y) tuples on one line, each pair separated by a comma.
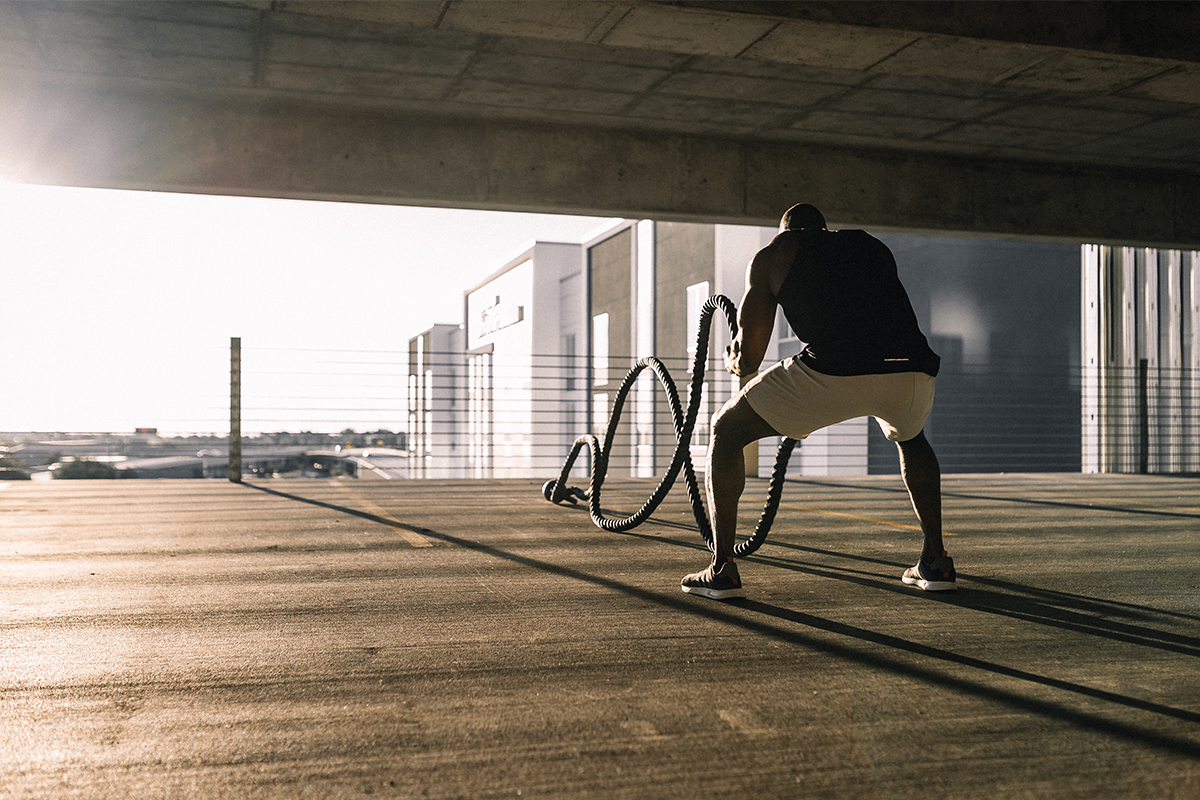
[(756, 315)]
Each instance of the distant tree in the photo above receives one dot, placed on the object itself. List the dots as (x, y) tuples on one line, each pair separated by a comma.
[(85, 469)]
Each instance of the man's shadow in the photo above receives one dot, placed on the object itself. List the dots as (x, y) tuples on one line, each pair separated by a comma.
[(1064, 610), (1007, 599)]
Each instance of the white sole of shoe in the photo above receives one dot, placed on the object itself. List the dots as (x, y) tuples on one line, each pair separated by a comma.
[(931, 586), (715, 594)]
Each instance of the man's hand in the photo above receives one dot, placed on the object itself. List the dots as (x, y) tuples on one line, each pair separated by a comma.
[(733, 355)]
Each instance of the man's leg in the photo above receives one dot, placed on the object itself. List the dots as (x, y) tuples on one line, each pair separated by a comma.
[(736, 425), (923, 478)]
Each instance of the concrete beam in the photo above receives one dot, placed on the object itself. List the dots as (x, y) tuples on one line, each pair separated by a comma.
[(1153, 29), (253, 148)]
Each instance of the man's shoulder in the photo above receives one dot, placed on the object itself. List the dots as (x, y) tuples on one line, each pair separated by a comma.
[(860, 241), (783, 246), (809, 237), (770, 265), (853, 235), (790, 245)]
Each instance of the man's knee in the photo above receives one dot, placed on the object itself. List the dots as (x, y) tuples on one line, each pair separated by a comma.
[(723, 420), (737, 424), (915, 444), (721, 429), (917, 456)]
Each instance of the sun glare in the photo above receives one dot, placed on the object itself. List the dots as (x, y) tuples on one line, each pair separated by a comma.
[(120, 305)]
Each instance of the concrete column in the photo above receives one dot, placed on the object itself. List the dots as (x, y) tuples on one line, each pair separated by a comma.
[(643, 282), (1190, 278), (1170, 359), (1091, 337), (1122, 358), (235, 409), (1150, 387)]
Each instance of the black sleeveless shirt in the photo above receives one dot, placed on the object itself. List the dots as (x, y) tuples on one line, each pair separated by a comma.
[(843, 298)]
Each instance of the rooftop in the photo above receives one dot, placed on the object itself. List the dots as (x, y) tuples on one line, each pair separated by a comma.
[(467, 639)]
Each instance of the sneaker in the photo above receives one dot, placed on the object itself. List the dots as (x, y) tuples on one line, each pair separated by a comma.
[(932, 577), (718, 584)]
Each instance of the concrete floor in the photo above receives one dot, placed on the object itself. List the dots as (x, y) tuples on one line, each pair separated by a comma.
[(469, 640)]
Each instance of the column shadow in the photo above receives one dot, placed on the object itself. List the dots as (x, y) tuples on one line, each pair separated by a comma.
[(889, 653)]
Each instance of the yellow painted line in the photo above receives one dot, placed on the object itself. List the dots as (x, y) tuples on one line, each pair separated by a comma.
[(860, 519), (406, 533), (1091, 499), (1111, 501)]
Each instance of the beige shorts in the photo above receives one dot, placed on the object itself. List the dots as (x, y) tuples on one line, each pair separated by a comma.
[(796, 400)]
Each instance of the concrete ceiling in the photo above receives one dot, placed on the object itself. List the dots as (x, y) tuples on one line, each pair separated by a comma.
[(596, 106)]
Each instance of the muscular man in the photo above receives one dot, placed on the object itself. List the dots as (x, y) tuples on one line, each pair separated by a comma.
[(865, 356)]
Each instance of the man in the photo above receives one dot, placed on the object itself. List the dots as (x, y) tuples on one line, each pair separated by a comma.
[(865, 356)]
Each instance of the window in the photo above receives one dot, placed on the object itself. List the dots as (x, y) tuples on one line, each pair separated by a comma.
[(600, 349), (600, 414), (568, 351), (698, 446), (697, 294)]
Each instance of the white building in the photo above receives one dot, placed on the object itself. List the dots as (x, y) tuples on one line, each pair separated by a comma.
[(549, 338), (435, 403), (648, 282), (525, 340)]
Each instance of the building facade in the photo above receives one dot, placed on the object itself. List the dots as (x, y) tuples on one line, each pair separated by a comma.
[(435, 403), (1004, 316), (649, 282), (549, 338), (525, 363), (1141, 360)]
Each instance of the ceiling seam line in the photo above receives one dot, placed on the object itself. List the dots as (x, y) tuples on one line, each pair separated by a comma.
[(1177, 68), (606, 26), (653, 86), (443, 9), (893, 54), (765, 34)]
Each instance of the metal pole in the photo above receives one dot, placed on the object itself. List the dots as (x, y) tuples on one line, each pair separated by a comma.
[(1144, 416), (235, 409)]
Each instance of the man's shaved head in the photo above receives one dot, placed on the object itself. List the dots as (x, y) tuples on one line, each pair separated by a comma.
[(801, 217)]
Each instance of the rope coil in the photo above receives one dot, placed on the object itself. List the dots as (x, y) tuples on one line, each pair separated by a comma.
[(557, 491)]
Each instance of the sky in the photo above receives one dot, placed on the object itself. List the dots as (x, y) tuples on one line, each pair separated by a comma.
[(117, 307)]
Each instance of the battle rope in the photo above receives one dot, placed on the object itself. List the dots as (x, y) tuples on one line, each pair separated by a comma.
[(556, 491)]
